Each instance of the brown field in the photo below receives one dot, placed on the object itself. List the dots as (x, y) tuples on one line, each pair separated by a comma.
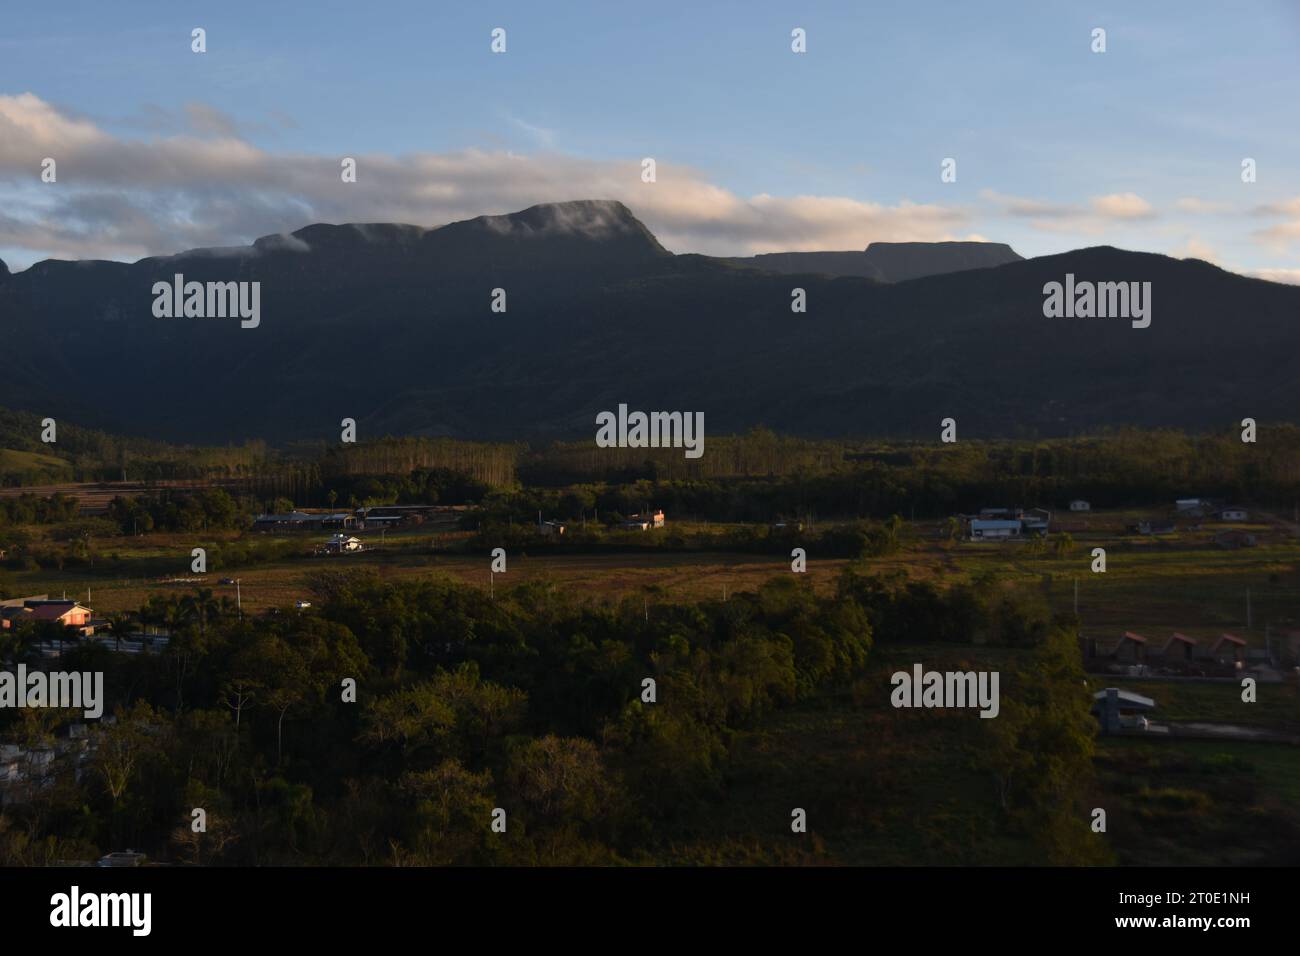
[(607, 576)]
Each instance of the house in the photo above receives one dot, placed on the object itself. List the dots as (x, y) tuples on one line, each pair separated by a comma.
[(1234, 539), (644, 522), (1035, 521), (551, 528), (343, 544), (68, 613), (1131, 647), (1121, 710), (1194, 507), (1233, 514), (1228, 646), (1078, 504), (1178, 647)]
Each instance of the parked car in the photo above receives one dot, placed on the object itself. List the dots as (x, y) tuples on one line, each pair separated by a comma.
[(302, 604), (226, 581)]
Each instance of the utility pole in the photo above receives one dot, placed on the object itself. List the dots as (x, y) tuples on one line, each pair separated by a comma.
[(239, 603)]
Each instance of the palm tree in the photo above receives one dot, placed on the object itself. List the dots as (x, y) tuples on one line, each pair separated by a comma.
[(1064, 544), (120, 626), (200, 606), (893, 529)]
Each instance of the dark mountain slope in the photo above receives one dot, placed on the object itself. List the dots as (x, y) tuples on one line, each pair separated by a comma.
[(391, 325)]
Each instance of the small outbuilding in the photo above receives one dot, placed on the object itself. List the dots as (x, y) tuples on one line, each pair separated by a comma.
[(1131, 647), (1121, 710), (1078, 504), (1229, 647), (1178, 647)]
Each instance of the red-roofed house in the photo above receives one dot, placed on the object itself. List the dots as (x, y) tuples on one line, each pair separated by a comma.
[(68, 613), (1131, 647), (1179, 646), (1229, 644)]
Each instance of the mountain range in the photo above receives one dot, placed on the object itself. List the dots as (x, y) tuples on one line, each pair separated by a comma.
[(393, 326)]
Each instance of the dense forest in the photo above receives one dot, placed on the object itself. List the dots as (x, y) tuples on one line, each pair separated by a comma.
[(601, 729)]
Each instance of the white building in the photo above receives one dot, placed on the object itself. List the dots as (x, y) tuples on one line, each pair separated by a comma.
[(342, 543)]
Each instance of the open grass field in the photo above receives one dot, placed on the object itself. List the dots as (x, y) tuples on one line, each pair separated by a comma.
[(12, 460), (1195, 803)]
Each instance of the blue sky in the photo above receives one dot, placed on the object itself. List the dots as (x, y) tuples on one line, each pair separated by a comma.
[(759, 148)]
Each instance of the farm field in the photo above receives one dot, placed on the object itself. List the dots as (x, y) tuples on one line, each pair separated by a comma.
[(1177, 583)]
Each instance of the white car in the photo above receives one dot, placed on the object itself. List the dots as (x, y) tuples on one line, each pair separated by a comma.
[(302, 604)]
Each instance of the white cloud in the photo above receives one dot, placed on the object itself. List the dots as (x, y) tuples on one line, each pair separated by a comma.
[(1022, 207), (124, 198), (1122, 206), (1194, 205), (1289, 276)]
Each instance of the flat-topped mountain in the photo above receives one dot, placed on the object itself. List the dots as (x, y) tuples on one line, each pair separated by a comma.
[(900, 261), (888, 261), (393, 325)]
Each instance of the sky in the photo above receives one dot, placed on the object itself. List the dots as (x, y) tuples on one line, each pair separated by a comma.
[(757, 148)]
